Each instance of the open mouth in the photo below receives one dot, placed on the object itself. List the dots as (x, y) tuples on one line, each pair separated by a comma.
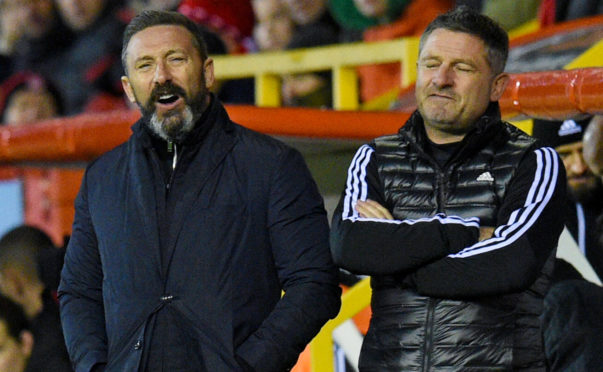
[(167, 99)]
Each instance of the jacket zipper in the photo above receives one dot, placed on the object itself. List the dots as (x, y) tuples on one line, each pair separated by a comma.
[(428, 335), (441, 182), (172, 147)]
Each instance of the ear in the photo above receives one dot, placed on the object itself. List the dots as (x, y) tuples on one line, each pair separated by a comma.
[(208, 72), (27, 342), (125, 83), (498, 86)]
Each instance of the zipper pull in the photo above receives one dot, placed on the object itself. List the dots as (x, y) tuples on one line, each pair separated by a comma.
[(170, 146), (175, 158)]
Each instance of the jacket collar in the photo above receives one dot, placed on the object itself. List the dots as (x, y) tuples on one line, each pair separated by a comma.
[(486, 129), (213, 115)]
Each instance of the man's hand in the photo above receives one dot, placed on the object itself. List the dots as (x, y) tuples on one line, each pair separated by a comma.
[(485, 233), (372, 209)]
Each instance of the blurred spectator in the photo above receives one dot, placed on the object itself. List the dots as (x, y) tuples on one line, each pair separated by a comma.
[(26, 98), (29, 269), (16, 340), (356, 16), (312, 89), (232, 21), (227, 31), (554, 11), (593, 146), (11, 28), (572, 322), (384, 20), (508, 13), (573, 326), (37, 32), (90, 68), (585, 209), (511, 14), (274, 26), (307, 14)]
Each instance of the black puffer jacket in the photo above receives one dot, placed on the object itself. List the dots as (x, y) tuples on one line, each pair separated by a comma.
[(442, 300)]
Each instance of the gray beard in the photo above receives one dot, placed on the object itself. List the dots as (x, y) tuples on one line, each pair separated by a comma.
[(174, 127)]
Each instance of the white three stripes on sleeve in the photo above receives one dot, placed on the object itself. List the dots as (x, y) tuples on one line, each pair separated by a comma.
[(520, 221), (357, 189)]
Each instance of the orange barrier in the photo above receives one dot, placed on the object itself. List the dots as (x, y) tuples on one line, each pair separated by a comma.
[(83, 137), (553, 95)]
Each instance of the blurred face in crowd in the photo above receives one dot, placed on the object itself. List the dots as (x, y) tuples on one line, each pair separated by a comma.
[(80, 14), (28, 105), (306, 11), (371, 8), (584, 185), (305, 90), (14, 353), (30, 18), (455, 84), (168, 79), (274, 28)]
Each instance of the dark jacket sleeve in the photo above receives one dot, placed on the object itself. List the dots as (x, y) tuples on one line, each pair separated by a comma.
[(80, 292), (379, 246), (298, 231), (530, 221)]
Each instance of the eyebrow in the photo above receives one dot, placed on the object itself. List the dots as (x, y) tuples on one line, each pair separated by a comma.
[(168, 53)]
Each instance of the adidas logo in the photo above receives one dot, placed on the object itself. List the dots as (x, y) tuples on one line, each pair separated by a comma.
[(569, 127), (485, 177)]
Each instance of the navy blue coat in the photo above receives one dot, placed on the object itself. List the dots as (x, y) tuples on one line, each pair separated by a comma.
[(248, 223)]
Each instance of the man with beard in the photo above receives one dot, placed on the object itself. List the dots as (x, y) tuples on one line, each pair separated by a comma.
[(198, 245), (455, 217), (585, 202), (572, 324)]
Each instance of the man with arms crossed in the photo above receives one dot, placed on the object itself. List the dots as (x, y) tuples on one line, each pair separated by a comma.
[(455, 217), (185, 236)]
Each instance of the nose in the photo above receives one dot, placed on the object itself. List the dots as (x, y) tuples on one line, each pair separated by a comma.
[(162, 74), (443, 76), (576, 164)]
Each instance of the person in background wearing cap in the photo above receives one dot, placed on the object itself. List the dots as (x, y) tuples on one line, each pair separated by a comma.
[(572, 325), (585, 189)]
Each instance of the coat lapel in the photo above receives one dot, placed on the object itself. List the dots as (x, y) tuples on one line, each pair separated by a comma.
[(214, 149), (141, 189)]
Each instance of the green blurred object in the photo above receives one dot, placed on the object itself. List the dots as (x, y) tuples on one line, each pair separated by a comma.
[(511, 13), (348, 16)]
